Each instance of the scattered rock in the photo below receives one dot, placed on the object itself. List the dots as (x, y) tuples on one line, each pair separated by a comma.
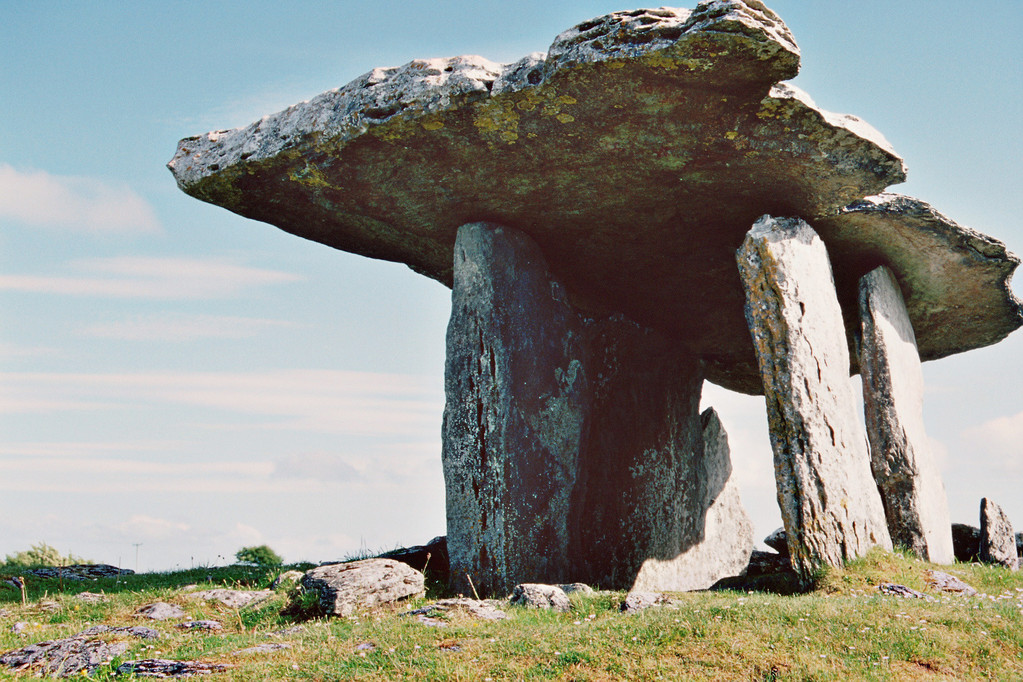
[(64, 657), (537, 596), (344, 588), (91, 597), (576, 588), (912, 493), (48, 605), (160, 611), (485, 609), (639, 601), (79, 572), (778, 541), (432, 557), (365, 646), (829, 501), (133, 630), (945, 582), (208, 625), (262, 648), (159, 667), (997, 539), (965, 542), (19, 627), (234, 599), (896, 590)]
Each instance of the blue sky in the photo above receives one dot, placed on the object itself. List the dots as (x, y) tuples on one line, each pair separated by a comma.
[(174, 375)]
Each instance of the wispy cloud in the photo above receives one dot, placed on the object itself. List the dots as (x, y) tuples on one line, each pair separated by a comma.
[(998, 442), (72, 202), (325, 401), (183, 327), (152, 278), (316, 465)]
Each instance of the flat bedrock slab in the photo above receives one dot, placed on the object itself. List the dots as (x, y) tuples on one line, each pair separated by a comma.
[(343, 589), (893, 391), (829, 503), (573, 447), (997, 539), (636, 152)]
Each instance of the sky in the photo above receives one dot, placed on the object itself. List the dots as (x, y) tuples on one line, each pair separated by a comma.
[(177, 382)]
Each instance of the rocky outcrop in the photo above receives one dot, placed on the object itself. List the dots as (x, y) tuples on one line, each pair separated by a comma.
[(64, 657), (997, 539), (537, 596), (160, 611), (342, 589), (234, 599), (893, 386), (829, 503), (161, 667), (78, 572)]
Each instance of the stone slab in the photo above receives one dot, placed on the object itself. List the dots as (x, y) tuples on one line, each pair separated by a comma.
[(912, 492), (997, 539), (829, 503)]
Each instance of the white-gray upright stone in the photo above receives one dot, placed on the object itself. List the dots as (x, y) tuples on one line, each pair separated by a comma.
[(997, 539), (830, 505), (905, 471)]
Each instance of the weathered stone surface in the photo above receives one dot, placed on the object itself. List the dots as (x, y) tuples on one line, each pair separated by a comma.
[(763, 563), (485, 609), (640, 601), (573, 588), (234, 599), (830, 505), (288, 578), (160, 611), (262, 649), (63, 657), (893, 394), (778, 541), (133, 630), (573, 447), (595, 147), (997, 539), (896, 590), (724, 531), (345, 588), (79, 572), (537, 596), (208, 625), (161, 667), (432, 557), (945, 582), (965, 541)]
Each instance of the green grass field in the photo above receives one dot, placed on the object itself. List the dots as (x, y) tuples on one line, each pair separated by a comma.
[(844, 629)]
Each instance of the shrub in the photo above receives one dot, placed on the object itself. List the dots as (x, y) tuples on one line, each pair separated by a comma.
[(42, 555), (261, 556)]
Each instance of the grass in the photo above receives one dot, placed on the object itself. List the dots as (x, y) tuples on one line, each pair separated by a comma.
[(844, 629)]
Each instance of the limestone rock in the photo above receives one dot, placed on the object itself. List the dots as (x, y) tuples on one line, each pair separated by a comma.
[(595, 146), (79, 572), (537, 596), (234, 599), (288, 579), (63, 657), (896, 590), (160, 611), (132, 630), (893, 386), (724, 541), (344, 588), (432, 557), (778, 541), (764, 563), (997, 539), (945, 582), (965, 541), (641, 600), (207, 625), (576, 588), (161, 667), (484, 609), (829, 503)]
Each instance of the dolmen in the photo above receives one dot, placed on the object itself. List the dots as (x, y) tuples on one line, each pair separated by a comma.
[(646, 206)]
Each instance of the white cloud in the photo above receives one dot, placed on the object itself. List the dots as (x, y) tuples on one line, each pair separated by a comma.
[(997, 442), (183, 327), (72, 202), (148, 277)]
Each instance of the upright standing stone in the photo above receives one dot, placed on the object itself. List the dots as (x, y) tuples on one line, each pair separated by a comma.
[(906, 474), (514, 412), (573, 448), (829, 503), (997, 539)]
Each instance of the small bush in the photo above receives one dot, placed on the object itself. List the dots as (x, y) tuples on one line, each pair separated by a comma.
[(42, 555), (261, 557)]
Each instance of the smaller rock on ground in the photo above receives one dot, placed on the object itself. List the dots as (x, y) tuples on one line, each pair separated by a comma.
[(639, 601), (134, 630), (160, 611), (576, 588), (234, 599), (945, 582), (896, 590), (63, 657), (159, 667), (344, 588), (539, 596), (208, 625), (262, 648), (485, 609)]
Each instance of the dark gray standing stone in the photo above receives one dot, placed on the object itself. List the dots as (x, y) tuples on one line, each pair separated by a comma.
[(997, 539), (893, 385), (345, 588), (829, 502), (965, 541), (573, 447)]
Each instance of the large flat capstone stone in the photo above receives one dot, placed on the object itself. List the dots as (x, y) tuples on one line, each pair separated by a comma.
[(636, 152)]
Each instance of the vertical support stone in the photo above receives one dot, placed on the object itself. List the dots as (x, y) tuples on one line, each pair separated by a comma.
[(573, 448), (829, 502), (514, 412), (907, 476), (997, 539)]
